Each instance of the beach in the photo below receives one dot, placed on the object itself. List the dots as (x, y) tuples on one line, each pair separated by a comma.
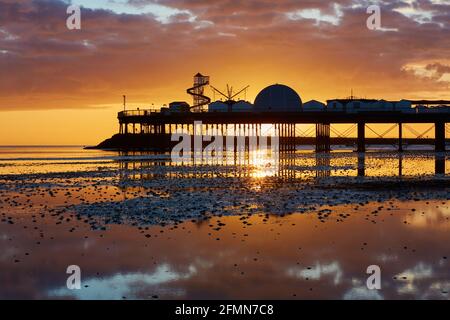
[(142, 227)]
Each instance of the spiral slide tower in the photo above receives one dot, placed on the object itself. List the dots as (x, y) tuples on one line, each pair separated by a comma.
[(198, 92)]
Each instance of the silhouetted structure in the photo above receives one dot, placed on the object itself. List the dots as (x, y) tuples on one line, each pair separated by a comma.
[(282, 107), (198, 92), (158, 126)]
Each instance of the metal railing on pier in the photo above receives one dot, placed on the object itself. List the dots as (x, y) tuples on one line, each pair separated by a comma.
[(138, 113)]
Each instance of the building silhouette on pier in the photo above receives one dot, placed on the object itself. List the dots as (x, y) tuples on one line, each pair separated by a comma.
[(282, 107)]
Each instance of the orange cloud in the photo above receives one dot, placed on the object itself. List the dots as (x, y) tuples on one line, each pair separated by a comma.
[(45, 66)]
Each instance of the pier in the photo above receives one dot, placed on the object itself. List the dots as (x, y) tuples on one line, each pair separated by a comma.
[(156, 127)]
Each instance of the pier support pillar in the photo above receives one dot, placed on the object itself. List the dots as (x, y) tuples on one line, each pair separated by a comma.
[(400, 137), (361, 165), (361, 137), (293, 137), (440, 165), (439, 140), (323, 137)]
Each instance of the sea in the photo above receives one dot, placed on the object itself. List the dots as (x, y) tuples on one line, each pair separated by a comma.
[(303, 225)]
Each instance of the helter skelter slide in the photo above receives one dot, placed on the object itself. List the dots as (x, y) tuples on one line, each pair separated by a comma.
[(198, 91)]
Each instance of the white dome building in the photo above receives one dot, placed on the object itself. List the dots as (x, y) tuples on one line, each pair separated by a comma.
[(278, 98)]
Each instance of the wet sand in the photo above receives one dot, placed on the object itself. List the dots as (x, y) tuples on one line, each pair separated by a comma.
[(146, 229)]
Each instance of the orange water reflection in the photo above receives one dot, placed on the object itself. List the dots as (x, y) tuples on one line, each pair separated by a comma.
[(321, 251), (296, 256)]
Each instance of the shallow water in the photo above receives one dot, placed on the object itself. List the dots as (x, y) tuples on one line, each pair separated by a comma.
[(140, 226)]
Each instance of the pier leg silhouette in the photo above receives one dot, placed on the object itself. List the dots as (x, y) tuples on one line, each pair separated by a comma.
[(439, 139), (361, 137), (400, 137)]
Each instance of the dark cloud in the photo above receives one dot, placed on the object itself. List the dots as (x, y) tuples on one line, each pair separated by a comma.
[(247, 40)]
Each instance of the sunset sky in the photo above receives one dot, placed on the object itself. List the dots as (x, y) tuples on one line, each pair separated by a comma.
[(60, 86)]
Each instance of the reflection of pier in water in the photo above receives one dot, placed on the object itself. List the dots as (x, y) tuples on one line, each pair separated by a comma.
[(439, 164), (290, 165), (244, 166)]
